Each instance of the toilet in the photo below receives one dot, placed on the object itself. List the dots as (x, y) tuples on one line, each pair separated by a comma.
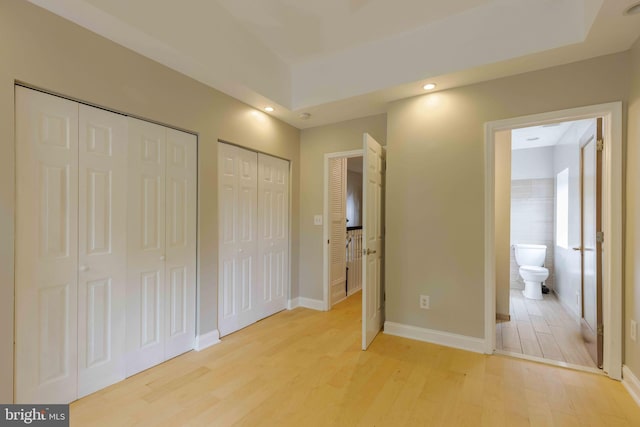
[(530, 258)]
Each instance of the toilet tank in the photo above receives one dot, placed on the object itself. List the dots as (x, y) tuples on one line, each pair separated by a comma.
[(530, 254)]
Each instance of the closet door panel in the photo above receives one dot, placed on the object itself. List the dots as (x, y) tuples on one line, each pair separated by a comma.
[(180, 269), (46, 248), (238, 230), (102, 248), (145, 246), (273, 232)]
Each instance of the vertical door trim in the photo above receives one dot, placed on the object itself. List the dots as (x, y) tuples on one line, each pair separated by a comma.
[(611, 220)]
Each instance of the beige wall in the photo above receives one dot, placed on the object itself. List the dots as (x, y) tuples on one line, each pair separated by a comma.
[(46, 51), (632, 250), (435, 184), (314, 144), (502, 243)]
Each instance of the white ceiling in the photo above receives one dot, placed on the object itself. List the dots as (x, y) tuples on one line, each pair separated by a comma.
[(342, 59), (548, 135)]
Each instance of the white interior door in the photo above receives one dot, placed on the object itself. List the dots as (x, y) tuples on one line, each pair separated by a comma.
[(273, 234), (46, 248), (591, 322), (102, 248), (237, 199), (372, 232), (337, 228), (180, 269), (146, 246)]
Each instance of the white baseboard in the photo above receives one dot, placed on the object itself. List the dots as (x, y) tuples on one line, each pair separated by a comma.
[(435, 337), (631, 383), (314, 304), (207, 340)]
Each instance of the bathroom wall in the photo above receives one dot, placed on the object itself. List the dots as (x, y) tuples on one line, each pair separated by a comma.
[(532, 206)]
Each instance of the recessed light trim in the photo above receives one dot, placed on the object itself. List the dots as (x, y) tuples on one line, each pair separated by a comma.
[(633, 10), (429, 86), (534, 138), (269, 109)]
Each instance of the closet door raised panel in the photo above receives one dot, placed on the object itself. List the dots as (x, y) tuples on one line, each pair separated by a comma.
[(146, 246), (273, 232), (102, 248), (46, 248), (180, 270), (237, 199)]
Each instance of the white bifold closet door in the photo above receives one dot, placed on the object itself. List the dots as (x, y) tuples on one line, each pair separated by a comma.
[(70, 248), (273, 234), (161, 244), (253, 209)]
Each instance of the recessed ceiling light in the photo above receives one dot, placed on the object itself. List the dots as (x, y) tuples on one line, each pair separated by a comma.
[(269, 109), (535, 138), (305, 116), (429, 86), (633, 10)]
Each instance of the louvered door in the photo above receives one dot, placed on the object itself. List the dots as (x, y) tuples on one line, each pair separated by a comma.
[(337, 228)]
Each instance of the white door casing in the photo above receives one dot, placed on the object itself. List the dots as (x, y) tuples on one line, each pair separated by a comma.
[(102, 248), (46, 248), (237, 199), (146, 246), (337, 230), (273, 234), (372, 231)]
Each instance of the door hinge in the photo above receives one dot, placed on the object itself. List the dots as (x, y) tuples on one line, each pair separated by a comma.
[(601, 329), (600, 145), (600, 237)]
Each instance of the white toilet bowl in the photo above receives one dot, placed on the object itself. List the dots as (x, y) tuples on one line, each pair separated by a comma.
[(530, 258), (533, 277)]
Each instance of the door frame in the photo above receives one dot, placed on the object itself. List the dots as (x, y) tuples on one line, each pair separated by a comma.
[(326, 300), (611, 114)]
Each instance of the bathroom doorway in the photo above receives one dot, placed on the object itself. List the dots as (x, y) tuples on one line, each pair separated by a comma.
[(550, 195)]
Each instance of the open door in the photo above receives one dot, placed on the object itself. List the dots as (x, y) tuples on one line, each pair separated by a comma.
[(372, 231), (591, 322)]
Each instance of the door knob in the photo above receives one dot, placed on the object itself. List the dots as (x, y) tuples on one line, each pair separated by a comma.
[(577, 249), (368, 252), (84, 268)]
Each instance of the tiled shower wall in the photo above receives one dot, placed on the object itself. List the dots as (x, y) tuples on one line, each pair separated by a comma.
[(532, 202)]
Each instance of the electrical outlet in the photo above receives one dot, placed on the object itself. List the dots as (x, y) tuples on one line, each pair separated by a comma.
[(633, 330), (424, 302), (317, 220)]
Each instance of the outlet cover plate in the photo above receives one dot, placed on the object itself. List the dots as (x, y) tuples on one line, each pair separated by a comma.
[(424, 302)]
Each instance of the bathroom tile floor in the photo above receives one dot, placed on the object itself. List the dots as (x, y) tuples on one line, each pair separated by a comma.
[(543, 329)]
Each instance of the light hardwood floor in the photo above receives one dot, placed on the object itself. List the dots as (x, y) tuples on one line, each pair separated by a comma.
[(542, 329), (305, 368)]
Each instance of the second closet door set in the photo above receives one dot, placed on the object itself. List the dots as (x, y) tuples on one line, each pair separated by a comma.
[(253, 199), (105, 247)]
